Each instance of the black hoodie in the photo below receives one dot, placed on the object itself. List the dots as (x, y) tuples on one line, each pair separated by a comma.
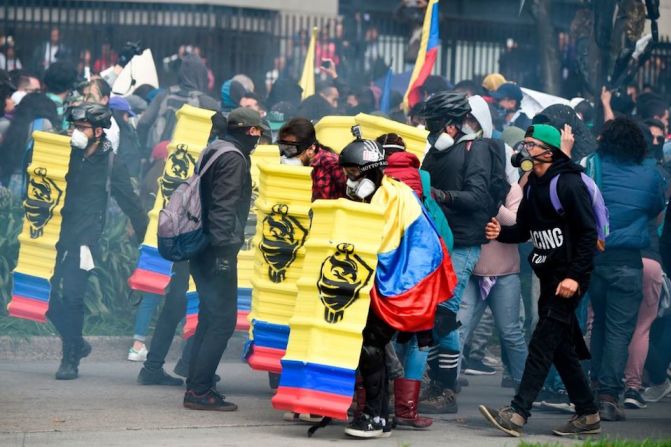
[(564, 245)]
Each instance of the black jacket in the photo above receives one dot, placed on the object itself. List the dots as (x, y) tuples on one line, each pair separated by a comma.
[(564, 246), (85, 209), (226, 192), (665, 242), (463, 172)]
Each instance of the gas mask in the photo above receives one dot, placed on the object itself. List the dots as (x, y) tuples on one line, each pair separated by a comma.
[(79, 140), (522, 159), (360, 189), (442, 141), (468, 130), (290, 161)]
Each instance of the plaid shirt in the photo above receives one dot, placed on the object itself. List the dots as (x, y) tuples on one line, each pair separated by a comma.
[(328, 179)]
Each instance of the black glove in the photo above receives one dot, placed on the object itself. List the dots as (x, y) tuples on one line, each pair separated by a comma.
[(129, 50), (441, 196)]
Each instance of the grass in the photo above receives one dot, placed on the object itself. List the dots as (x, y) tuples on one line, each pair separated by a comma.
[(108, 309)]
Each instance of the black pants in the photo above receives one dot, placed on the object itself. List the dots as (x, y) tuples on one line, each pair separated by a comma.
[(173, 311), (554, 341), (66, 302), (217, 315), (372, 365), (659, 354)]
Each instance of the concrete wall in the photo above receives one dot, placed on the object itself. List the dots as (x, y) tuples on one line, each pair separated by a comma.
[(314, 7)]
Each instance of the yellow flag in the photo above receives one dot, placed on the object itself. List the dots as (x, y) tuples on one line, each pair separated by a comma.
[(308, 78)]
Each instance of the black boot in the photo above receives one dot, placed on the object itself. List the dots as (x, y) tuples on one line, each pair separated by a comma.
[(69, 363)]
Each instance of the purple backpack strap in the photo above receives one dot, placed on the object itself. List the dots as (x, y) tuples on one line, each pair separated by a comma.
[(554, 197)]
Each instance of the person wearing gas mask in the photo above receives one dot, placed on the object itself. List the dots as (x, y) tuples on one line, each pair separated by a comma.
[(298, 145), (460, 165), (94, 174), (410, 311), (509, 99), (563, 255), (226, 191)]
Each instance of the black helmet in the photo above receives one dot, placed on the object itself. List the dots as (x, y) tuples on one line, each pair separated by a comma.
[(368, 155), (444, 108), (95, 114)]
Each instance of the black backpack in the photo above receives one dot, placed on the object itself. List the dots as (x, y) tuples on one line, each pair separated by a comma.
[(498, 183)]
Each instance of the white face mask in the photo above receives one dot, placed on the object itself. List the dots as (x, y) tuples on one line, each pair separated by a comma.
[(79, 140), (291, 161), (468, 130), (443, 142), (360, 189)]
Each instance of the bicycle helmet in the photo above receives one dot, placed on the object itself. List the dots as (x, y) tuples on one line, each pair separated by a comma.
[(367, 155), (444, 108), (95, 114)]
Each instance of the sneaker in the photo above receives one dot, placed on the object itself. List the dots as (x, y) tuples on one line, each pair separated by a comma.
[(364, 427), (477, 368), (492, 361), (209, 401), (439, 401), (137, 356), (589, 424), (656, 393), (158, 377), (558, 401), (633, 399), (610, 410), (505, 419)]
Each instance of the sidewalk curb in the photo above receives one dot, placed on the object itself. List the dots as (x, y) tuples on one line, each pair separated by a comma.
[(104, 348)]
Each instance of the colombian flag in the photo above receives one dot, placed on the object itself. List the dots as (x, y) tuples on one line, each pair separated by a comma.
[(426, 57), (414, 270)]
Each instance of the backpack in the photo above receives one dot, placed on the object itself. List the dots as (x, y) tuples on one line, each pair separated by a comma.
[(180, 224), (498, 183), (598, 205), (164, 125), (435, 212)]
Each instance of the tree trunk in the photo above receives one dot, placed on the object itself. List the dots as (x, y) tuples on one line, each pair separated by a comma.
[(547, 39)]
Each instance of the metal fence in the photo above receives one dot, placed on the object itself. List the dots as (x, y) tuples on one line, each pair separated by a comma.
[(242, 40)]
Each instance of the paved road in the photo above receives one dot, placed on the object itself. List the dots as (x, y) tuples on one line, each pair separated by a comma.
[(105, 407)]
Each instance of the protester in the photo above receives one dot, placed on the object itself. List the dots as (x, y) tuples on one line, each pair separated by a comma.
[(509, 99), (94, 175), (321, 104), (60, 81), (461, 186), (564, 272), (298, 145), (226, 191), (634, 195), (158, 121), (50, 52)]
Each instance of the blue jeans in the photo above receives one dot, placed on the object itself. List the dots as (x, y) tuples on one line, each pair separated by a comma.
[(413, 360), (504, 301), (145, 313), (444, 357), (463, 263), (616, 292)]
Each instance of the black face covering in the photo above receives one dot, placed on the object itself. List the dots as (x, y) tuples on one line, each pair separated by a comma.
[(247, 142)]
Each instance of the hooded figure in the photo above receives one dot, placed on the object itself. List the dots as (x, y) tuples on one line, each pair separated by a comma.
[(557, 115), (231, 94), (480, 110), (158, 121)]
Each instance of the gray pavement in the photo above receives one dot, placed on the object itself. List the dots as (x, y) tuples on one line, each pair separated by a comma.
[(105, 407)]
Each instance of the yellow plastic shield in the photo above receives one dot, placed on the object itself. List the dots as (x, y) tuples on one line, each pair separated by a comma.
[(318, 370), (44, 201), (282, 228)]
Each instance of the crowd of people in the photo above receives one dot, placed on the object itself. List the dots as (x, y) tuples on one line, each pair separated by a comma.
[(580, 190)]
